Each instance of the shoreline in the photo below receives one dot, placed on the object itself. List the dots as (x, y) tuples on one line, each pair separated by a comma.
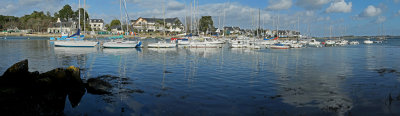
[(157, 36)]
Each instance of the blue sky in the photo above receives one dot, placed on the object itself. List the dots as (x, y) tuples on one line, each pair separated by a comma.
[(346, 17)]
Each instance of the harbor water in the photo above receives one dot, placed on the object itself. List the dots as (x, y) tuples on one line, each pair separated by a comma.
[(344, 80)]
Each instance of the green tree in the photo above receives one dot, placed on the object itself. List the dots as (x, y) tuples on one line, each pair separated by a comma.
[(108, 27), (115, 22), (82, 18), (206, 23), (66, 13), (37, 21), (8, 21)]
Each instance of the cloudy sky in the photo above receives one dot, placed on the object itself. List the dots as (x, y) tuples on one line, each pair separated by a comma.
[(345, 17)]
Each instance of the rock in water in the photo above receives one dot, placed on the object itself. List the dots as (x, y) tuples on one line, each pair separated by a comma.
[(98, 86), (17, 72), (26, 93)]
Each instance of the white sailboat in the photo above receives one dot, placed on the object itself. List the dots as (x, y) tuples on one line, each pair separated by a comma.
[(73, 41), (119, 41), (161, 44)]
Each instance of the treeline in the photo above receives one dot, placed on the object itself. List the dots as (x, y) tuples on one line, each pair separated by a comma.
[(39, 21)]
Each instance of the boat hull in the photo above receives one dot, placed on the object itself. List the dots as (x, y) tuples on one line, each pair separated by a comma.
[(279, 47), (161, 45), (128, 44), (75, 43)]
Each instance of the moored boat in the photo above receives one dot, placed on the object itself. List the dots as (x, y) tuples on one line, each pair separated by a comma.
[(368, 41), (279, 46), (161, 45), (354, 42)]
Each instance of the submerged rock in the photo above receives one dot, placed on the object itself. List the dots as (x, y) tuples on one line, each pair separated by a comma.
[(98, 86)]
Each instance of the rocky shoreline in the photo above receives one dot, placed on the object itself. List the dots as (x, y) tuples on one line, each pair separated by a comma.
[(30, 93)]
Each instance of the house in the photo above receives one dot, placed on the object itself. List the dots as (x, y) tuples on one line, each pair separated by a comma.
[(62, 26), (232, 30), (116, 29), (156, 24), (97, 24)]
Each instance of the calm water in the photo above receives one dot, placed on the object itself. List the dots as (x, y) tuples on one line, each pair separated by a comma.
[(307, 81)]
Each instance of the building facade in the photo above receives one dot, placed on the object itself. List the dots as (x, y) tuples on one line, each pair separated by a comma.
[(97, 24), (156, 24), (62, 26)]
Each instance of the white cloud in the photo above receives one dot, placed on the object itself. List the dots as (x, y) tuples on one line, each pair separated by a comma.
[(174, 5), (380, 19), (339, 6), (24, 7), (8, 9), (312, 4), (371, 11), (279, 4)]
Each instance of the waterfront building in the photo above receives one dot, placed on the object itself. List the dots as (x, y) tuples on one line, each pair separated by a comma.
[(97, 24), (232, 30), (156, 24), (62, 26)]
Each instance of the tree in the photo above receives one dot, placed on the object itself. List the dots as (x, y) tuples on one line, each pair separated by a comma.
[(66, 13), (108, 27), (206, 23), (115, 22), (76, 16)]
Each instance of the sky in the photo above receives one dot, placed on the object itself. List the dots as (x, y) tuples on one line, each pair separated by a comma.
[(311, 17)]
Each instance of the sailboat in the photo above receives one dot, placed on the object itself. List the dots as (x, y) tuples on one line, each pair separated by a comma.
[(120, 41), (75, 40), (163, 44)]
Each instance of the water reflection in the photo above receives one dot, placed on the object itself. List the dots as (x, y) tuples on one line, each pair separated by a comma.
[(179, 81), (74, 51)]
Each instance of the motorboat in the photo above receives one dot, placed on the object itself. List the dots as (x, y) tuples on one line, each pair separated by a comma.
[(295, 45), (329, 43), (354, 43), (342, 42), (238, 44), (314, 42), (368, 41)]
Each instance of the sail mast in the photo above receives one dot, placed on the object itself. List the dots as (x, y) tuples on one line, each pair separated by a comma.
[(164, 17), (84, 16), (126, 18), (79, 15), (120, 9)]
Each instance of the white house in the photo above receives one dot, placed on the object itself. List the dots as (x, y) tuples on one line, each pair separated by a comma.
[(97, 24), (62, 26), (156, 24)]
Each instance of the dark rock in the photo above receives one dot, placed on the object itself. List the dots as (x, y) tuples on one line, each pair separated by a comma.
[(167, 71), (16, 75), (276, 96), (18, 69), (385, 70), (98, 86), (30, 93)]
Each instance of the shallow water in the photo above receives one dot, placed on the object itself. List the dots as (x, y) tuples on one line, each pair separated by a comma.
[(308, 81)]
